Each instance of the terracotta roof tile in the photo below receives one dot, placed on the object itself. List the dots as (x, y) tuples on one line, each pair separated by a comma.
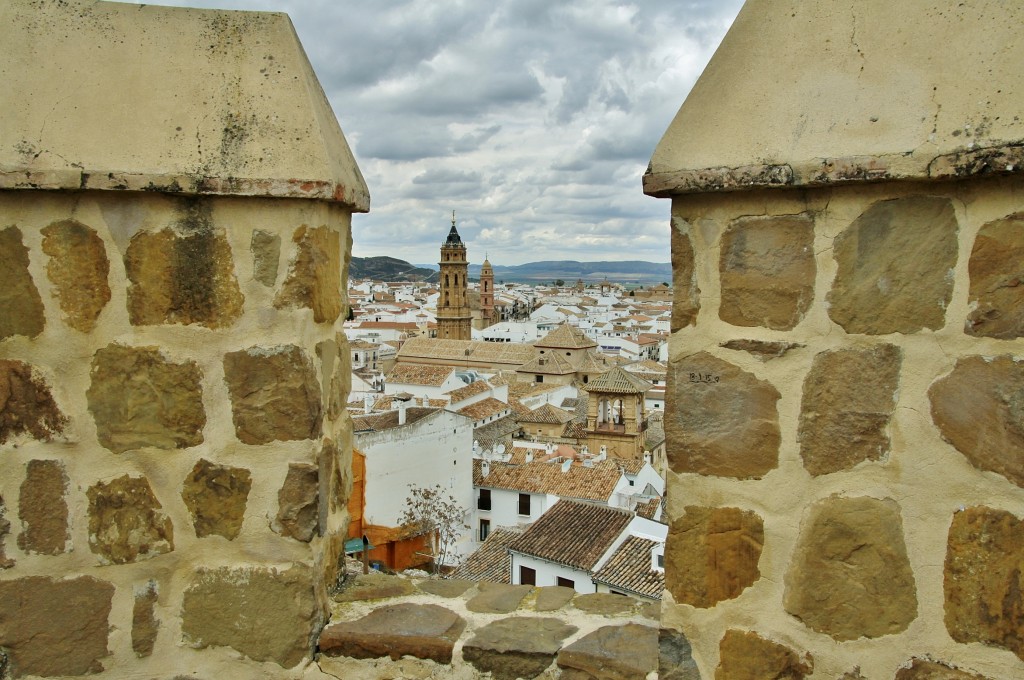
[(548, 364), (491, 561), (376, 422), (511, 353), (547, 414), (415, 374), (573, 533), (618, 381), (472, 389), (578, 482), (566, 337), (484, 408), (629, 568)]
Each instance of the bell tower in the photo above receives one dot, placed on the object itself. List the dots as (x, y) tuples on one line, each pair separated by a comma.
[(486, 295), (454, 318)]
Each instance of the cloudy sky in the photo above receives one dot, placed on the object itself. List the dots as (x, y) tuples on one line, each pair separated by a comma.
[(533, 119)]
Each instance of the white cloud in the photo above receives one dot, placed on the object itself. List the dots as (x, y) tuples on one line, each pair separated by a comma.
[(533, 119)]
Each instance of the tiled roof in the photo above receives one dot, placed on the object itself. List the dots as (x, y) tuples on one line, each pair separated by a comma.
[(383, 421), (547, 414), (386, 402), (497, 431), (647, 366), (575, 430), (629, 568), (649, 509), (573, 533), (362, 344), (595, 362), (415, 374), (579, 481), (630, 466), (491, 561), (618, 381), (510, 353), (472, 389), (548, 364), (484, 408), (566, 337)]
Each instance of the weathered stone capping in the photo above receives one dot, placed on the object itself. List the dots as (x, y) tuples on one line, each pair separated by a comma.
[(173, 442), (846, 491)]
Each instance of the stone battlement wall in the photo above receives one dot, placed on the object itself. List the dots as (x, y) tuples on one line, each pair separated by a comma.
[(845, 430), (174, 450)]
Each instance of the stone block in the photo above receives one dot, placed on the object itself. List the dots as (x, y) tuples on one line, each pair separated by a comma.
[(925, 669), (274, 394), (52, 627), (26, 404), (144, 621), (553, 598), (423, 631), (445, 587), (604, 604), (125, 522), (686, 292), (744, 655), (314, 274), (517, 647), (712, 554), (19, 297), (848, 398), (78, 268), (263, 613), (675, 657), (720, 420), (5, 529), (334, 371), (627, 652), (983, 585), (497, 598), (43, 508), (138, 398), (996, 270), (850, 576), (979, 409), (183, 276), (765, 350), (895, 267), (298, 503), (216, 496), (266, 256), (767, 270), (374, 586)]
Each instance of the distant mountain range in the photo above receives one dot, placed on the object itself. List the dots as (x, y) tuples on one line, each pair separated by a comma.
[(635, 272), (623, 271)]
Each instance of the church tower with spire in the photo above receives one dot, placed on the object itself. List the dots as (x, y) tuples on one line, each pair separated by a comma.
[(486, 295), (454, 318)]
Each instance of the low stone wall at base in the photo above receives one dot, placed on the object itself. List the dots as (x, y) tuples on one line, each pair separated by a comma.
[(390, 626)]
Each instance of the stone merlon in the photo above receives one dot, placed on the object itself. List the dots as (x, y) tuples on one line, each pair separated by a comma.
[(239, 111), (801, 94)]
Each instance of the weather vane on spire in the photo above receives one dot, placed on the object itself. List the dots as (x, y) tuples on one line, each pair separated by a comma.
[(453, 218)]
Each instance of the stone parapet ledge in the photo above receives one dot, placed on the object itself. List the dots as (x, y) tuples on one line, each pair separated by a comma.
[(391, 626)]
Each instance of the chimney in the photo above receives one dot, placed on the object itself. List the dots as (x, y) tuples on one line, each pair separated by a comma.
[(401, 410), (529, 455), (485, 468), (566, 464), (367, 404)]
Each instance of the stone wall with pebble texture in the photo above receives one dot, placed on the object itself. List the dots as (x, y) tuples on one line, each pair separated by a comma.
[(847, 448), (173, 455), (845, 416)]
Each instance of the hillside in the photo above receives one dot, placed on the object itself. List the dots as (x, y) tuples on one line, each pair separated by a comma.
[(385, 268)]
